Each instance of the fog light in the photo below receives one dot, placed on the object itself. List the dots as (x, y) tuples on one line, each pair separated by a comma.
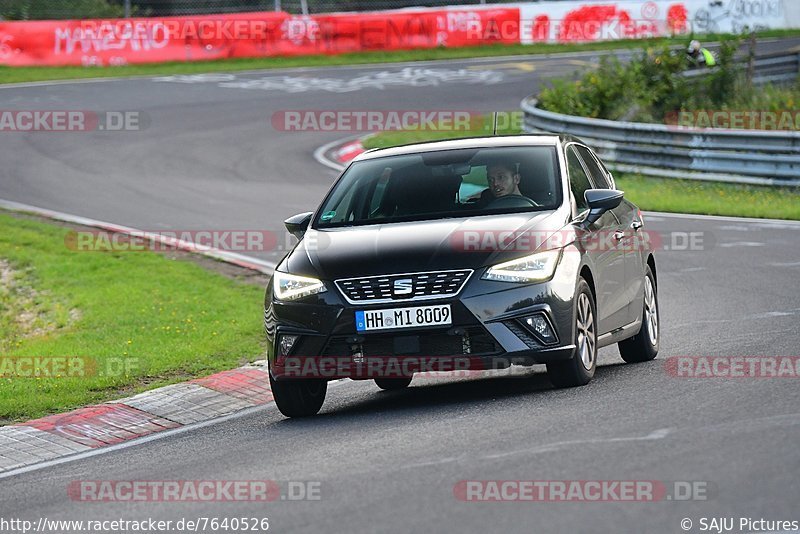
[(540, 326), (285, 345)]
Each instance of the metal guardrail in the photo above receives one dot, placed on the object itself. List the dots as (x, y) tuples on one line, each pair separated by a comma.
[(780, 67), (777, 68), (736, 156)]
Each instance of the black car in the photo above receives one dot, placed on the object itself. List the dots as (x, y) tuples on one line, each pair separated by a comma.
[(465, 254)]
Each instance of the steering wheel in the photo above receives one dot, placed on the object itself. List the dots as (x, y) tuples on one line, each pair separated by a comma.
[(512, 201)]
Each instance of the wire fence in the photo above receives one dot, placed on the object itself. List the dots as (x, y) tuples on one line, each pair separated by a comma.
[(78, 9)]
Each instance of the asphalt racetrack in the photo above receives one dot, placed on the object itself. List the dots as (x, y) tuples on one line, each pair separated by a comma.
[(211, 158)]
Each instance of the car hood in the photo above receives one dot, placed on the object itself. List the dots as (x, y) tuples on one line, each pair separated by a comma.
[(462, 243)]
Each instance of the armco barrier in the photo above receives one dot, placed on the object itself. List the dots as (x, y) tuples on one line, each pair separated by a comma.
[(775, 68), (736, 156)]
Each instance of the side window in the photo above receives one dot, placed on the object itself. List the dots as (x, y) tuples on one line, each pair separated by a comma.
[(608, 174), (578, 181), (598, 175), (341, 211)]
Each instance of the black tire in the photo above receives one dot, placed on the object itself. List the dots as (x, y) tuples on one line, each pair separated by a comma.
[(579, 370), (643, 347), (390, 384), (296, 397)]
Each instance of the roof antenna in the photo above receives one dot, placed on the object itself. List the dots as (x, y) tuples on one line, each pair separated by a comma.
[(495, 124)]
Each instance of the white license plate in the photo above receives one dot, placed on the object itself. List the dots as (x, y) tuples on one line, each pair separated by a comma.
[(403, 318)]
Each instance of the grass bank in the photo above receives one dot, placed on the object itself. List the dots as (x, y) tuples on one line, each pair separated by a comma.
[(106, 325)]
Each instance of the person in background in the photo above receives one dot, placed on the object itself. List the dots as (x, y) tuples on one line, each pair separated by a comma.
[(699, 56)]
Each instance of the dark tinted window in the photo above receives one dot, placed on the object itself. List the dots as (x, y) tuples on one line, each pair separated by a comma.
[(448, 183), (578, 180), (598, 174)]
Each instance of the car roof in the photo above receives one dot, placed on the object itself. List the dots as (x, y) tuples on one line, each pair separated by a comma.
[(469, 142)]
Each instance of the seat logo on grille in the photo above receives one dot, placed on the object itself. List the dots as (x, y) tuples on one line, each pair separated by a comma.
[(403, 286)]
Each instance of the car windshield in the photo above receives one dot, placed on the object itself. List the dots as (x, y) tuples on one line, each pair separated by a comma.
[(444, 184)]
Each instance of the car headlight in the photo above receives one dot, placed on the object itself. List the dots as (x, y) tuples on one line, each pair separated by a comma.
[(534, 268), (292, 287)]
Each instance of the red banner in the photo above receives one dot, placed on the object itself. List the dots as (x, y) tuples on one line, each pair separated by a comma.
[(149, 40)]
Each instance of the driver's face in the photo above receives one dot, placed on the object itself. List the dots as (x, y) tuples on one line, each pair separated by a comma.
[(502, 181)]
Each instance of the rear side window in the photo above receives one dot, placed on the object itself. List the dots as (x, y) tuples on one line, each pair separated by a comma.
[(578, 180), (598, 174)]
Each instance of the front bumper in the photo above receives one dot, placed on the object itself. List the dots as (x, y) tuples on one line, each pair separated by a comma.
[(488, 331)]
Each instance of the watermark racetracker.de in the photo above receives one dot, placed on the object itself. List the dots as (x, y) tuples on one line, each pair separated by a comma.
[(381, 120), (167, 240), (532, 240), (72, 121), (742, 119), (150, 491), (33, 367), (546, 491), (781, 367)]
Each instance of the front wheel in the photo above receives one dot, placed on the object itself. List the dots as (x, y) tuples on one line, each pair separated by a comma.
[(297, 397), (643, 347), (579, 370)]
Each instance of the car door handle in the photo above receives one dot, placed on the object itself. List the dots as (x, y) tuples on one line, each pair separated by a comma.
[(637, 224), (619, 235)]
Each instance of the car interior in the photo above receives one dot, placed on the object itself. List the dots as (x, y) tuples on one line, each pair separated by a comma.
[(412, 187), (416, 190)]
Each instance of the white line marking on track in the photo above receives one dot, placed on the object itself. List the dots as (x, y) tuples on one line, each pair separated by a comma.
[(660, 433), (134, 442), (735, 228), (145, 439), (256, 264), (784, 222), (362, 66), (750, 244), (64, 82)]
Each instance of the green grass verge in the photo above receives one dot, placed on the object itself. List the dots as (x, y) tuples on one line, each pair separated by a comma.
[(34, 74), (711, 198), (162, 318), (652, 194)]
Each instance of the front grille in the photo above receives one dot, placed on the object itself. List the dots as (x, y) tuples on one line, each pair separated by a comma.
[(474, 341), (398, 287)]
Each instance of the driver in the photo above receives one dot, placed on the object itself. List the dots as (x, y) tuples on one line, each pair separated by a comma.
[(503, 179)]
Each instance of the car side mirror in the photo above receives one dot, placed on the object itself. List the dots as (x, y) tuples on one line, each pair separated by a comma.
[(601, 201), (298, 224)]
